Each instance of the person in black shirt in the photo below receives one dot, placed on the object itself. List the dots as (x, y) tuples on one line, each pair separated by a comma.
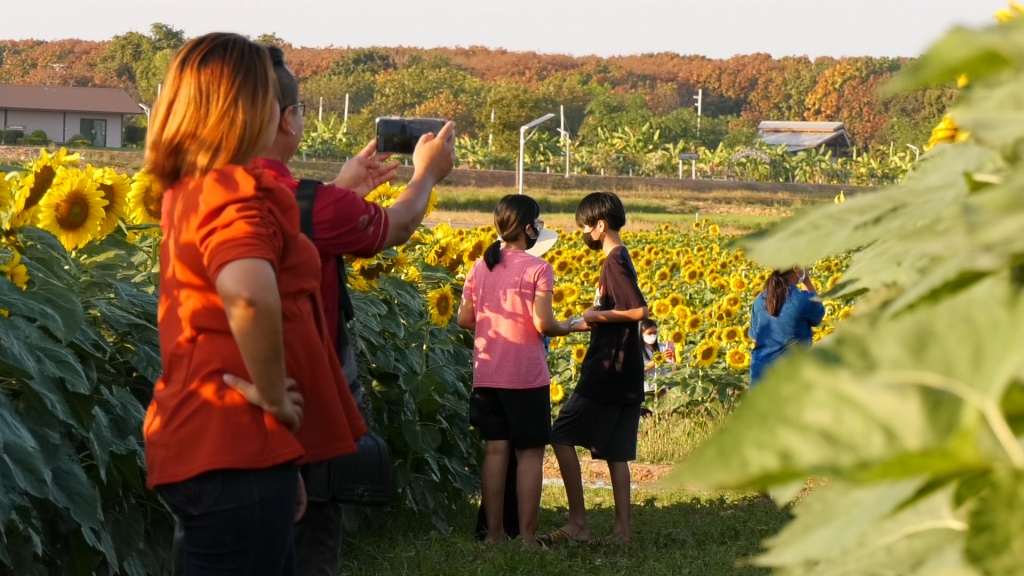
[(603, 414)]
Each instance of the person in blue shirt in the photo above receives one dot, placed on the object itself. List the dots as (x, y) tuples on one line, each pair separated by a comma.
[(782, 316)]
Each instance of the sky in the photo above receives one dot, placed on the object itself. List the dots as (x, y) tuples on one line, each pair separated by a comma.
[(712, 28)]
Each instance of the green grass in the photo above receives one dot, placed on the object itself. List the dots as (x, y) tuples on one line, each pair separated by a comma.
[(733, 211), (675, 531)]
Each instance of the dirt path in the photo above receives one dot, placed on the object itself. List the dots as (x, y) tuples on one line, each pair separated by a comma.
[(596, 471)]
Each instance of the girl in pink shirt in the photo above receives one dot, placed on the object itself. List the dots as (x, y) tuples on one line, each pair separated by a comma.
[(506, 301)]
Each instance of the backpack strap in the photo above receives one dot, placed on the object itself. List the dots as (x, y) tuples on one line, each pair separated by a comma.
[(305, 195)]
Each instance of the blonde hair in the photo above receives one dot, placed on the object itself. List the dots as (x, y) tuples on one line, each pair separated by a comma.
[(214, 109)]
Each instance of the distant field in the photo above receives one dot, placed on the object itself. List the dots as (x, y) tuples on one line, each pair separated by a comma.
[(470, 200), (734, 211)]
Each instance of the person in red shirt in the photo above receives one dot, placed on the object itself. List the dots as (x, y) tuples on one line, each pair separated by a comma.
[(238, 405), (345, 223)]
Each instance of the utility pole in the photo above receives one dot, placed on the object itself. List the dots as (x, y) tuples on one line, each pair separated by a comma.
[(344, 120), (700, 100), (565, 138)]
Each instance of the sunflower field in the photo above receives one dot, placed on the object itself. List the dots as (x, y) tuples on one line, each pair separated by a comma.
[(79, 353)]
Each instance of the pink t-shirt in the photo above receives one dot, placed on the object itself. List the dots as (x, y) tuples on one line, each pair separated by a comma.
[(508, 350)]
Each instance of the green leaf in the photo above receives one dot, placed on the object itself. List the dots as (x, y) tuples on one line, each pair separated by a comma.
[(422, 439), (872, 403), (995, 543), (26, 346), (978, 53), (20, 461), (844, 529)]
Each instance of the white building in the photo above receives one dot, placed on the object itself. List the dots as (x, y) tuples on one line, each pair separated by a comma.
[(98, 114)]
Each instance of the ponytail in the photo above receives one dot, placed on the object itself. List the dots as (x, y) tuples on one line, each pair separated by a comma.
[(492, 256), (776, 289)]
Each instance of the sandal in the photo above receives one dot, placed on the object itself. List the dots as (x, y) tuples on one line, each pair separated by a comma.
[(559, 537)]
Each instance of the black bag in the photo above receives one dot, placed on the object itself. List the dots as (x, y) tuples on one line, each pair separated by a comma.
[(365, 476)]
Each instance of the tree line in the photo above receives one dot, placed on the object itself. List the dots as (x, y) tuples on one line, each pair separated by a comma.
[(490, 93)]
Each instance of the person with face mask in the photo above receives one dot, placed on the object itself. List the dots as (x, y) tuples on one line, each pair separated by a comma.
[(649, 333), (782, 316), (603, 413), (507, 303)]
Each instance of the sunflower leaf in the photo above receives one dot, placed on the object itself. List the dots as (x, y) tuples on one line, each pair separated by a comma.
[(884, 404)]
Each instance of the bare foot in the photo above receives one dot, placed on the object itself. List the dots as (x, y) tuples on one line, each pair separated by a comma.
[(620, 536), (577, 533)]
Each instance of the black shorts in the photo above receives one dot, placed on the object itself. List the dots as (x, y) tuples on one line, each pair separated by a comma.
[(521, 416), (607, 430)]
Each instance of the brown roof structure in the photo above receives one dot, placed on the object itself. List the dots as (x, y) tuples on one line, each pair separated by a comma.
[(803, 135), (67, 99)]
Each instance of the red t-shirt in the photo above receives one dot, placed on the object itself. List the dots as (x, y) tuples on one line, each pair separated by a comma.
[(343, 223), (196, 423)]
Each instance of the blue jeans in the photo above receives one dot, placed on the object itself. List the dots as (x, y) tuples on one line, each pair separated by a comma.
[(237, 522)]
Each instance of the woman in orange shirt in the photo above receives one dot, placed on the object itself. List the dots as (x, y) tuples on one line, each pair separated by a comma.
[(250, 386)]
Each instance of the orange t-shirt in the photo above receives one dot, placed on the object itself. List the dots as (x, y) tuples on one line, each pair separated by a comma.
[(196, 423)]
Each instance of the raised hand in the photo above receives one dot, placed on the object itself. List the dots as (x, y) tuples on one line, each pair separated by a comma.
[(366, 170)]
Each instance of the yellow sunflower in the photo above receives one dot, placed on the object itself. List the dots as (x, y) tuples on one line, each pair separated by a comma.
[(558, 296), (15, 271), (677, 337), (738, 359), (145, 199), (441, 305), (475, 250), (431, 202), (731, 334), (35, 185), (1004, 15), (579, 352), (358, 283), (570, 292), (5, 195), (946, 132), (705, 354), (675, 300), (115, 188), (737, 283), (557, 392), (682, 313), (662, 275), (73, 208), (693, 323), (658, 358), (691, 274), (386, 194), (662, 308)]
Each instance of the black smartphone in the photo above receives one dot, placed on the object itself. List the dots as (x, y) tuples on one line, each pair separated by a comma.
[(400, 135)]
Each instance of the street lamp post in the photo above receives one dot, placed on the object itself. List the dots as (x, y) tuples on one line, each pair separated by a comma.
[(522, 144)]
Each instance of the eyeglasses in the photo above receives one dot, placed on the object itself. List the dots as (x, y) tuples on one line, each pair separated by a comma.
[(300, 108)]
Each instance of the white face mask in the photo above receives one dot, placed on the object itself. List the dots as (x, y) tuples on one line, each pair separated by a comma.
[(650, 338)]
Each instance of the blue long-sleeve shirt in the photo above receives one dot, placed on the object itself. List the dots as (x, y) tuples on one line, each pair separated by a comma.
[(773, 335)]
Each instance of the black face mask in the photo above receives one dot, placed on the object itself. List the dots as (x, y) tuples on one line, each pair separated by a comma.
[(591, 243), (530, 242)]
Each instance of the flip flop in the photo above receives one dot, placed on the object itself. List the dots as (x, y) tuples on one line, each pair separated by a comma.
[(559, 537)]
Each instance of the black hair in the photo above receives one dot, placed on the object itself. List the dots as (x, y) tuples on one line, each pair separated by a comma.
[(601, 206), (287, 85), (512, 215)]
